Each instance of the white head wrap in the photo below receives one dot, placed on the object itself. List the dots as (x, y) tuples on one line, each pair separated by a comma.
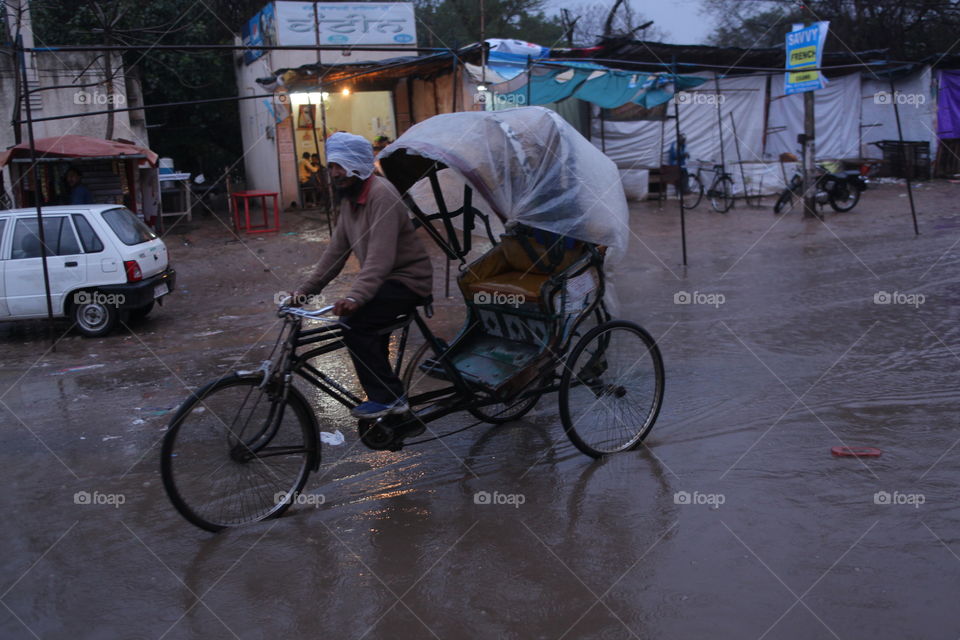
[(353, 153)]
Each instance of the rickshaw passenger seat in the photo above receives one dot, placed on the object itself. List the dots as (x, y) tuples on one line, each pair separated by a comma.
[(527, 285), (510, 269)]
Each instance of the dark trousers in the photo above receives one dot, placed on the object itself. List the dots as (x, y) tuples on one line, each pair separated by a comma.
[(369, 345)]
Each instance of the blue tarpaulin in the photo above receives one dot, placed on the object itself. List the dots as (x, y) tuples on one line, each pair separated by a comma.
[(948, 115), (607, 88)]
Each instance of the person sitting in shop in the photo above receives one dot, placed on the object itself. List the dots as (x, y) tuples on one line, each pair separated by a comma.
[(77, 192), (307, 170)]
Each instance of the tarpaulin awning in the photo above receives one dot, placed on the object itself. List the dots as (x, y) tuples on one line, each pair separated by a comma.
[(607, 88), (509, 58), (78, 147), (948, 117)]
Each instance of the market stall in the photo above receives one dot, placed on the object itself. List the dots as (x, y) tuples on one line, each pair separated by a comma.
[(110, 172)]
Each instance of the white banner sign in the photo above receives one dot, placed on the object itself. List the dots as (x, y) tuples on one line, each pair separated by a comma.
[(346, 23)]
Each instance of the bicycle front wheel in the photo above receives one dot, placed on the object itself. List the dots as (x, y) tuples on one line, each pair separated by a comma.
[(611, 389), (721, 195), (693, 189), (236, 454)]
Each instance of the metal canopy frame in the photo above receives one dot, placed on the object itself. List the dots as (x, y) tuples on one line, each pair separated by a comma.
[(455, 246)]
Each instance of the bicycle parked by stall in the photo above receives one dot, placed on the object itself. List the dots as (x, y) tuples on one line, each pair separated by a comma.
[(720, 191)]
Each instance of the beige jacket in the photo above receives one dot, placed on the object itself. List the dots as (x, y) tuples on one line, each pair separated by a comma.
[(377, 228)]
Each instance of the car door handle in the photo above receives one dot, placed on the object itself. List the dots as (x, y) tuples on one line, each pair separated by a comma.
[(70, 264)]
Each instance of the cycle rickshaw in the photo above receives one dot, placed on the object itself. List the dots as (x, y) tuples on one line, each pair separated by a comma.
[(240, 448)]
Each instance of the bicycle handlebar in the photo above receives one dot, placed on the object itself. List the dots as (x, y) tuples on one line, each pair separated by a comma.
[(710, 165), (316, 314)]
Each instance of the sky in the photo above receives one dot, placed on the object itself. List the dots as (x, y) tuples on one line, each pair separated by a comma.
[(679, 19)]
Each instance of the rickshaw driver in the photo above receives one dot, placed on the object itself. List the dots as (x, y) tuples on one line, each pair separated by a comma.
[(395, 270)]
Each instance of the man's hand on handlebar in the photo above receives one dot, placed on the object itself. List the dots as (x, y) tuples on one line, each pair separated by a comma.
[(345, 306), (296, 299)]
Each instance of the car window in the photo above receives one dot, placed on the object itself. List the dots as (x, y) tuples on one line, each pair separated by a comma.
[(68, 245), (3, 225), (58, 232), (128, 227), (88, 237)]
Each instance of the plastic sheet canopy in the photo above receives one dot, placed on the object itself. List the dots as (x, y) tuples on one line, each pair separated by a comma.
[(604, 87), (529, 165)]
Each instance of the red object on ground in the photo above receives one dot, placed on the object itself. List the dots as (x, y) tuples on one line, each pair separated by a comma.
[(77, 147), (244, 224), (856, 452)]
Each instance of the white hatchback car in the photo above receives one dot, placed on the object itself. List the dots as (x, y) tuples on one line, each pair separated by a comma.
[(102, 261)]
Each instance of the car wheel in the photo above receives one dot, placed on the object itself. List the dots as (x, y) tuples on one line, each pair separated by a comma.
[(94, 319)]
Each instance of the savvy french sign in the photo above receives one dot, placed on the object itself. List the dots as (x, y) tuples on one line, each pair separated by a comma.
[(804, 55)]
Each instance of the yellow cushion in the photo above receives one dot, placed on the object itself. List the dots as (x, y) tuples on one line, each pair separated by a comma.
[(506, 269), (512, 283)]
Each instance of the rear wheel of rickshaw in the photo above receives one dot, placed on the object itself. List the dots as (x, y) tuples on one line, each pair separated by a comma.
[(611, 389), (422, 374), (503, 412)]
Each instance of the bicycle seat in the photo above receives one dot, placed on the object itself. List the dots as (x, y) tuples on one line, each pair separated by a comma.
[(399, 323), (403, 320)]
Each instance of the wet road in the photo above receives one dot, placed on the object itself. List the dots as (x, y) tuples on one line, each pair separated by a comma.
[(734, 521)]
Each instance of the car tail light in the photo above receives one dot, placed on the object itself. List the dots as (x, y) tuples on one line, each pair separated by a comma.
[(132, 268)]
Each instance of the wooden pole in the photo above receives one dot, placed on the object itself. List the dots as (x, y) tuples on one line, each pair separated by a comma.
[(529, 80), (323, 121), (716, 82), (453, 107), (37, 188), (809, 156), (663, 186), (663, 142), (603, 133), (743, 173), (483, 48), (896, 113), (316, 142)]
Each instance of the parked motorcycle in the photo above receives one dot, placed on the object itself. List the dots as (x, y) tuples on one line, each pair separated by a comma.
[(840, 190)]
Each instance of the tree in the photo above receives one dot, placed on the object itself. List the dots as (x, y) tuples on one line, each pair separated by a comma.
[(202, 138), (14, 14), (909, 29), (614, 18), (455, 23)]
